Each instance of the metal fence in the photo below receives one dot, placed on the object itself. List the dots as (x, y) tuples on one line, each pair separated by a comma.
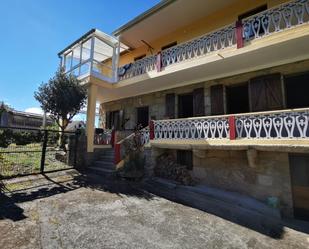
[(26, 151)]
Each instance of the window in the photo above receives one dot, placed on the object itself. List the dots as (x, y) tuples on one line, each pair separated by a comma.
[(252, 12), (114, 120), (143, 116), (297, 88), (139, 57), (185, 157), (185, 105), (250, 32), (169, 45)]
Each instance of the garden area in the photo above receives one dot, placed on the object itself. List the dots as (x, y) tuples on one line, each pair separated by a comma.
[(21, 152)]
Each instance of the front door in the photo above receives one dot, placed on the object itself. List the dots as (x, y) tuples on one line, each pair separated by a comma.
[(143, 116), (299, 167), (185, 106)]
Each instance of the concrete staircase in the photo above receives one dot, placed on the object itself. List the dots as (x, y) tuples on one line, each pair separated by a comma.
[(104, 165)]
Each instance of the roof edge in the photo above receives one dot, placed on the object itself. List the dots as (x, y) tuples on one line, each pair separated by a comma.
[(144, 15), (77, 41)]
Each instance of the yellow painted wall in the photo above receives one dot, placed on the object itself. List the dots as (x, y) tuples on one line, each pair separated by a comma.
[(217, 20)]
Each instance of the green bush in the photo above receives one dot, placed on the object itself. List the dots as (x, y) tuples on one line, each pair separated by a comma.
[(24, 137), (6, 137)]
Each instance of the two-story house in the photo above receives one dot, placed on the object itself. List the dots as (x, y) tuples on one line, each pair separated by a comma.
[(224, 85)]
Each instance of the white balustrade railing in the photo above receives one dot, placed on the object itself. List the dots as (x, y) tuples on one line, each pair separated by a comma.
[(103, 138), (276, 19), (284, 124), (139, 67), (197, 128), (279, 125), (225, 37), (145, 136)]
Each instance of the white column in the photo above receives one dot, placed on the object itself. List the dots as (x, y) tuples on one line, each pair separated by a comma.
[(91, 109)]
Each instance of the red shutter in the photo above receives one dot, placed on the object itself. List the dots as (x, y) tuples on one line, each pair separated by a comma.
[(217, 101), (198, 102)]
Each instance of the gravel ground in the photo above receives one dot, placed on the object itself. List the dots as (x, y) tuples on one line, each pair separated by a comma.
[(75, 212)]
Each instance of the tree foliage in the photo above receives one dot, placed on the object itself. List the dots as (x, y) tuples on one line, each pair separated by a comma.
[(62, 97)]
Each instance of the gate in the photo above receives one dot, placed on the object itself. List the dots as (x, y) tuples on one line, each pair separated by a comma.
[(25, 151)]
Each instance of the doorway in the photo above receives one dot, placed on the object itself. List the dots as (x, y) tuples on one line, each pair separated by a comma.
[(299, 168), (237, 99), (143, 116), (185, 106), (297, 88)]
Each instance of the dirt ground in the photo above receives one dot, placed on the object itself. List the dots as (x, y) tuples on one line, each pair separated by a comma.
[(77, 211)]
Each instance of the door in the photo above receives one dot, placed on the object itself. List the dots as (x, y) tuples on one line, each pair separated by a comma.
[(266, 93), (198, 102), (217, 99), (143, 116), (185, 106), (299, 168), (170, 105)]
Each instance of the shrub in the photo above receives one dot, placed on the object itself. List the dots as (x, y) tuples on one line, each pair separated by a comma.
[(24, 137), (6, 137)]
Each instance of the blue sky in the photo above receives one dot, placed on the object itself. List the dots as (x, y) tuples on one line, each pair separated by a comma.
[(34, 31)]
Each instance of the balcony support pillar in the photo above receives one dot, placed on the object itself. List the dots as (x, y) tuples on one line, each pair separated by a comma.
[(91, 113)]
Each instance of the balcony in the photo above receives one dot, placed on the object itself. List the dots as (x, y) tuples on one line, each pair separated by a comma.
[(264, 24), (284, 129), (271, 38)]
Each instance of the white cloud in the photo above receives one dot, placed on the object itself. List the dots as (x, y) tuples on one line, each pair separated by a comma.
[(36, 110)]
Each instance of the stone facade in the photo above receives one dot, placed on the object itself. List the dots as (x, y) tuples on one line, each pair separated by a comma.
[(260, 174), (230, 170)]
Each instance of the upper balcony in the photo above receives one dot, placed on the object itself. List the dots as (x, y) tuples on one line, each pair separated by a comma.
[(94, 54), (273, 37)]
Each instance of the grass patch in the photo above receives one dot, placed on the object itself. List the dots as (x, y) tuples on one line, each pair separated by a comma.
[(26, 159)]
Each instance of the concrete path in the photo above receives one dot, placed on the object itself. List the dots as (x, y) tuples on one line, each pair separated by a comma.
[(77, 212)]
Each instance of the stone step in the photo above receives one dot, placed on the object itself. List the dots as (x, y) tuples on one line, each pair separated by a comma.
[(101, 171), (228, 205), (106, 158), (104, 164)]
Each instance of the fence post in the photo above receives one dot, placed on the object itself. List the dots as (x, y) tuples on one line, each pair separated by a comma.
[(44, 151), (117, 153), (232, 126), (75, 147), (151, 130), (239, 34)]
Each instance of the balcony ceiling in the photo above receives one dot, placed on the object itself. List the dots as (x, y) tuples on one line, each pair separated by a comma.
[(160, 21)]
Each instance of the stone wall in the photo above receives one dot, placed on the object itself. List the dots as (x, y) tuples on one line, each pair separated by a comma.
[(230, 170)]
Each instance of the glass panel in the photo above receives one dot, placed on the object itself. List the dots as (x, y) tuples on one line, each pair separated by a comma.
[(76, 72), (85, 68), (76, 56), (102, 51), (68, 61), (86, 50)]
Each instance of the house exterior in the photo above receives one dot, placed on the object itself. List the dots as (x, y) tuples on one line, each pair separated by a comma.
[(223, 86), (19, 119)]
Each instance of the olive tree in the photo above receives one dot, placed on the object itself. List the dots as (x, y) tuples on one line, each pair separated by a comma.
[(63, 96)]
